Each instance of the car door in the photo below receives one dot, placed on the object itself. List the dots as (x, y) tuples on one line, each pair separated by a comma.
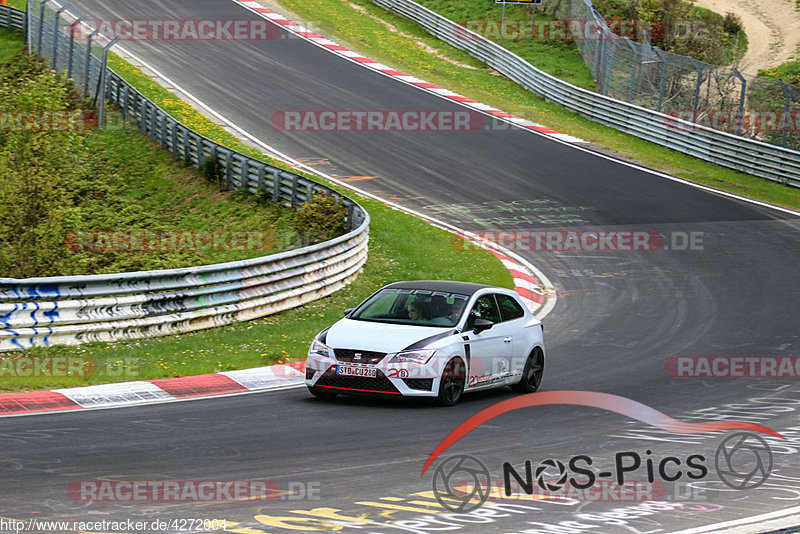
[(512, 328), (490, 350)]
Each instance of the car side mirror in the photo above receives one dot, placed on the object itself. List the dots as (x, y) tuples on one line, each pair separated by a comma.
[(347, 311), (481, 325)]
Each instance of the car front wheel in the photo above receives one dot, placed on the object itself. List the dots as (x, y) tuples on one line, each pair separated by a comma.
[(532, 373), (451, 386)]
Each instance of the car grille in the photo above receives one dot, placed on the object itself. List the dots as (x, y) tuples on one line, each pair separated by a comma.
[(349, 355), (419, 383), (380, 384)]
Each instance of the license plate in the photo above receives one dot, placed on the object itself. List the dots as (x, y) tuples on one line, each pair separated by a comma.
[(348, 370)]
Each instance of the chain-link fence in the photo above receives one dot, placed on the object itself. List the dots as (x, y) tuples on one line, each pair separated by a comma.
[(758, 107)]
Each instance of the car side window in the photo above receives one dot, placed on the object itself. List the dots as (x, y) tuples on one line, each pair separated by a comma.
[(509, 307), (484, 308)]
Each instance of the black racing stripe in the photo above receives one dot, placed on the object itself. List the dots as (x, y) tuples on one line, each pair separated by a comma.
[(428, 340)]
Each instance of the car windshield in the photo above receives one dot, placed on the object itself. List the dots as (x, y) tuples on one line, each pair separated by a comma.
[(420, 307)]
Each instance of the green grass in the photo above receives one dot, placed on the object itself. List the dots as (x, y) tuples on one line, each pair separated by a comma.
[(361, 29), (10, 44), (789, 72), (401, 248), (17, 4)]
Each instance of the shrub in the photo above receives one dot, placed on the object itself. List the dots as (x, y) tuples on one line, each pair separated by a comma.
[(321, 218), (213, 170), (732, 23)]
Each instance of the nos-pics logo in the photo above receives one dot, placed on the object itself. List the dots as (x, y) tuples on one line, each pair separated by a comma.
[(462, 483)]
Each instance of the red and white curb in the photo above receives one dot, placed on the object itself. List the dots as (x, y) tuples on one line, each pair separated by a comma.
[(151, 391), (526, 285), (305, 33)]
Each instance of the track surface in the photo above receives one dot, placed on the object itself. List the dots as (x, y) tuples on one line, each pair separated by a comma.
[(618, 318)]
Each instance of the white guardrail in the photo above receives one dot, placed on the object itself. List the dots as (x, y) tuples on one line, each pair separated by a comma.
[(746, 155), (69, 310)]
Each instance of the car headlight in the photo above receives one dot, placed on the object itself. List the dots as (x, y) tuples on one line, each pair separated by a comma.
[(318, 349), (420, 356)]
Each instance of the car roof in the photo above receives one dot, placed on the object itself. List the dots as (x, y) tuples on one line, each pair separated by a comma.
[(463, 288)]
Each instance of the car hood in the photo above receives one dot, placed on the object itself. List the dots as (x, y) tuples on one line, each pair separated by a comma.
[(379, 337)]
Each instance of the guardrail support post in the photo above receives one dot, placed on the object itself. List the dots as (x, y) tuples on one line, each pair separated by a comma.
[(276, 186), (245, 171)]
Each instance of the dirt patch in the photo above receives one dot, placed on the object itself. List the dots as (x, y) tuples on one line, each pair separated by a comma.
[(772, 27)]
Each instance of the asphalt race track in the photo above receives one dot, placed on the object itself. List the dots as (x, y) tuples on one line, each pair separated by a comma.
[(619, 316)]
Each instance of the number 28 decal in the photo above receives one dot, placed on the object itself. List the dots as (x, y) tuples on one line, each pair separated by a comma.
[(397, 373)]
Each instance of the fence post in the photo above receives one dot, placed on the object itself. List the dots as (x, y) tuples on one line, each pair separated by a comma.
[(101, 92), (596, 69), (86, 64), (72, 27), (663, 80), (740, 114), (28, 26), (786, 107), (634, 63), (699, 83), (55, 33), (41, 26)]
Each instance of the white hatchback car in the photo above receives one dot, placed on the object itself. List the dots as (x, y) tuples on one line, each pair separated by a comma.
[(415, 339)]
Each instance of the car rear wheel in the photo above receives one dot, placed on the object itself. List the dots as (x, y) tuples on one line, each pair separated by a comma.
[(451, 386), (532, 373), (322, 393)]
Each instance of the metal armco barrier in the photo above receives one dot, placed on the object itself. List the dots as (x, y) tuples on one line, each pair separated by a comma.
[(69, 310), (746, 155), (12, 18)]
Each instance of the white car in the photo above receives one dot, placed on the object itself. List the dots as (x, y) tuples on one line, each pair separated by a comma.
[(429, 339)]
